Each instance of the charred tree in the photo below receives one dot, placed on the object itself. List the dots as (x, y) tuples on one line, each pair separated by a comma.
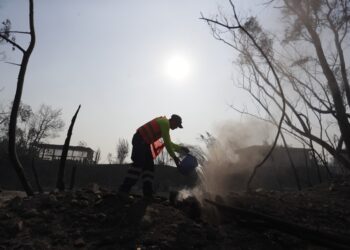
[(307, 14), (317, 78), (17, 100), (60, 175), (262, 44)]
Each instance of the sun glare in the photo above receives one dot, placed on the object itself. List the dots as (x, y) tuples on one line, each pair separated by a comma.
[(177, 68)]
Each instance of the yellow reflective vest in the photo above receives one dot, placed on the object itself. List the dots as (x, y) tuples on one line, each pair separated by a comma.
[(157, 129)]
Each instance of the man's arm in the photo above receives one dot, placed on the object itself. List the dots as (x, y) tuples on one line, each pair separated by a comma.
[(169, 145)]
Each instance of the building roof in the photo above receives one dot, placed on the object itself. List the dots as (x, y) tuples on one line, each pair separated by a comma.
[(55, 146)]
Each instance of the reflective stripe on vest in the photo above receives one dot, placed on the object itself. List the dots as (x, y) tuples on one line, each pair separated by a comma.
[(157, 147), (150, 131)]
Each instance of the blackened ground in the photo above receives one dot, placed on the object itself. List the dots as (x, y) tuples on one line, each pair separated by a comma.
[(100, 219)]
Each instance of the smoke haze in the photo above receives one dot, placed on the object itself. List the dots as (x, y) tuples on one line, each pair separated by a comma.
[(223, 160)]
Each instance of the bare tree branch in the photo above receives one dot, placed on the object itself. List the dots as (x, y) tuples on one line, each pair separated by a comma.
[(13, 43)]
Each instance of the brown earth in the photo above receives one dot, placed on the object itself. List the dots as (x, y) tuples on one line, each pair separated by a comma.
[(101, 219)]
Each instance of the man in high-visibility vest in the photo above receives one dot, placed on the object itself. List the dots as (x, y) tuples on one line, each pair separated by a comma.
[(147, 143)]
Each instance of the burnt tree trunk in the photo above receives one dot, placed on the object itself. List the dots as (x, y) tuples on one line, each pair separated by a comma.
[(60, 175), (16, 103), (339, 106)]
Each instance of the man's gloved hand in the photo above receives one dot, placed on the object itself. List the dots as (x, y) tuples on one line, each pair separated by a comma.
[(185, 149), (177, 161)]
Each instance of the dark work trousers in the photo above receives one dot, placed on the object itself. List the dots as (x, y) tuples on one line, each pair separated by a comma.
[(143, 165)]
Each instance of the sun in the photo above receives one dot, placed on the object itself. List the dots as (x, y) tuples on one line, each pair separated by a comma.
[(177, 67)]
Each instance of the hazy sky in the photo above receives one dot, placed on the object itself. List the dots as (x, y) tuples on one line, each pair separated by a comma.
[(126, 62)]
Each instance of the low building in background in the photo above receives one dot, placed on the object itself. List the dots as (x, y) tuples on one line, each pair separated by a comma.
[(301, 157), (279, 171), (75, 153)]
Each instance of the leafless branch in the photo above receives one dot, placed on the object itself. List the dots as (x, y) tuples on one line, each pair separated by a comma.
[(12, 43)]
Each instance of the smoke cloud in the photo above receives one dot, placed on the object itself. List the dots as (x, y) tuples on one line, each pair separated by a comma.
[(223, 161)]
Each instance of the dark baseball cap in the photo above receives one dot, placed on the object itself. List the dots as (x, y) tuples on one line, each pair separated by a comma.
[(177, 119)]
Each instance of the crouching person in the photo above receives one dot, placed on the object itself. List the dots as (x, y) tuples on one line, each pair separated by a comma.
[(146, 145)]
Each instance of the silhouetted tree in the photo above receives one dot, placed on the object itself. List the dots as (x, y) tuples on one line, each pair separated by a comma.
[(46, 123), (24, 114), (251, 36), (33, 128), (122, 150), (317, 106), (60, 175), (3, 115), (110, 158), (5, 35)]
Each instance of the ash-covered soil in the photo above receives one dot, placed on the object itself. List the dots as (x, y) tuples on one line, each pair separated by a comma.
[(100, 219)]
